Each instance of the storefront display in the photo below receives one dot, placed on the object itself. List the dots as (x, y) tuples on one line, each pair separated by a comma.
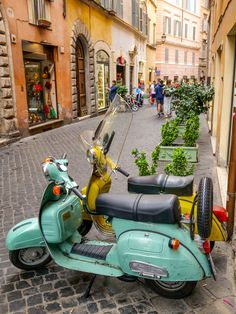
[(102, 79), (40, 83)]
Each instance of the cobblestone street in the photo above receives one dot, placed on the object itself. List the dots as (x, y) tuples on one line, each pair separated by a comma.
[(57, 290)]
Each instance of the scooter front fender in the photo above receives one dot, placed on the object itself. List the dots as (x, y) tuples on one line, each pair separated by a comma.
[(24, 234)]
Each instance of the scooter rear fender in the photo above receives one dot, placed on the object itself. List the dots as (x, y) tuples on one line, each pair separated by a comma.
[(25, 234)]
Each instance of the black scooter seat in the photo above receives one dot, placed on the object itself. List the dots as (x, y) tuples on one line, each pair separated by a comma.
[(146, 208), (161, 183)]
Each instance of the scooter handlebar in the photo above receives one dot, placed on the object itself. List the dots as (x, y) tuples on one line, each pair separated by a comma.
[(122, 171), (78, 193)]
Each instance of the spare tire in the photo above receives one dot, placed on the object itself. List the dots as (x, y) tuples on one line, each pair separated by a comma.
[(205, 207)]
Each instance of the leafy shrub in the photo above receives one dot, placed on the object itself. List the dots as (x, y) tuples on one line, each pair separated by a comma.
[(122, 90), (179, 166), (169, 132), (141, 161), (191, 133)]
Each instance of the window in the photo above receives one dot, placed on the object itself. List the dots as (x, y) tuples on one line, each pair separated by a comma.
[(167, 25), (205, 24), (115, 5), (176, 56), (154, 34), (186, 4), (186, 30), (194, 6), (135, 13), (194, 32), (176, 78), (166, 55), (143, 19), (185, 57), (39, 12), (177, 28), (193, 58), (166, 78)]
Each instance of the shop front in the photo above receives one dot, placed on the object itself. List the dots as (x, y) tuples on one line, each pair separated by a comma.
[(121, 71), (40, 81), (102, 79)]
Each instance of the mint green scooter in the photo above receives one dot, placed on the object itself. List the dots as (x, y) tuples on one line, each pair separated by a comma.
[(150, 240)]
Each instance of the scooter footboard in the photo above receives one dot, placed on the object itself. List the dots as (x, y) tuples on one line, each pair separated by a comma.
[(148, 254), (24, 234)]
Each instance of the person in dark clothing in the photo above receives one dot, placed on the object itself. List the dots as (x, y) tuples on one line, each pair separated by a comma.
[(113, 91), (159, 98)]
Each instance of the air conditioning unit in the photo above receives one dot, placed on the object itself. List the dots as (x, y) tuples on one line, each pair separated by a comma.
[(44, 23)]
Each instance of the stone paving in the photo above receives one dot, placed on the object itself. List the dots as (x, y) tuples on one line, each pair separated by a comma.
[(57, 290)]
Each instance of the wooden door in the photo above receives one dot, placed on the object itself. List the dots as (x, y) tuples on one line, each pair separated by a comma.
[(80, 76)]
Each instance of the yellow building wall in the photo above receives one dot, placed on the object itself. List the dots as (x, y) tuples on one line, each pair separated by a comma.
[(223, 53)]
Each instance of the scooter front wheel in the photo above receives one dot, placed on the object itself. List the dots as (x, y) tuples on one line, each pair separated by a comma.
[(172, 289), (85, 227), (30, 258)]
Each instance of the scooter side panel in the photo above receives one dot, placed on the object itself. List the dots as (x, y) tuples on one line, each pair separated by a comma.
[(24, 234), (150, 243)]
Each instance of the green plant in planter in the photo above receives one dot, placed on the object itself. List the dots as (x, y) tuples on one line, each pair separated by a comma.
[(169, 132), (141, 161), (179, 166), (191, 133), (122, 90)]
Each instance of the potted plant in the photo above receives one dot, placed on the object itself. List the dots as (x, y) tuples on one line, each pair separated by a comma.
[(141, 161), (122, 90), (179, 166), (190, 134)]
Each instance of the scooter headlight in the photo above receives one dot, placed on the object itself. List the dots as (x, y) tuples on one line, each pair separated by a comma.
[(91, 156)]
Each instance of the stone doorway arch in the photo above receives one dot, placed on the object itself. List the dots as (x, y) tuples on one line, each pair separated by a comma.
[(80, 33), (8, 122)]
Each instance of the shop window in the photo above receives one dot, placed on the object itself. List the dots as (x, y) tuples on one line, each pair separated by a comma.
[(40, 83), (102, 79), (39, 12)]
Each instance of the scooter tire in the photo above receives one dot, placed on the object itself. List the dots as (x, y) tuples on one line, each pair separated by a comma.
[(85, 227), (17, 258), (205, 207), (170, 290)]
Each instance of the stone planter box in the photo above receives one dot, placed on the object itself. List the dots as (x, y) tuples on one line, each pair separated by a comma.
[(166, 152)]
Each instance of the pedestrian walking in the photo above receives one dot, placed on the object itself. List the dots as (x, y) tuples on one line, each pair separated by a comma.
[(152, 93), (159, 98), (113, 91), (167, 92)]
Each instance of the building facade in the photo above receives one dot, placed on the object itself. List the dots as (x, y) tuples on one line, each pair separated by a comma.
[(222, 66), (204, 30), (178, 40)]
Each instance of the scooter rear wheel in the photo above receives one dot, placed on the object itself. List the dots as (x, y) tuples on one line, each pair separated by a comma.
[(172, 289), (30, 258), (205, 207)]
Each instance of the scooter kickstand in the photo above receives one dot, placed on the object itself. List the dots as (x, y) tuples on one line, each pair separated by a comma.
[(87, 292)]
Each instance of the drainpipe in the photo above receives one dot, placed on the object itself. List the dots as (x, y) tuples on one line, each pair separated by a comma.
[(231, 192)]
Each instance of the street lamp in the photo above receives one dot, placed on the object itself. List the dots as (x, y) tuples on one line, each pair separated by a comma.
[(163, 39)]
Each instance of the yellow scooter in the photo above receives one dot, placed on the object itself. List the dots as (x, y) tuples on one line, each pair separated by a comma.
[(100, 182)]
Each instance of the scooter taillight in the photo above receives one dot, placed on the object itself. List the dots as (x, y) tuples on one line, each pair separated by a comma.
[(202, 244), (206, 247), (221, 213)]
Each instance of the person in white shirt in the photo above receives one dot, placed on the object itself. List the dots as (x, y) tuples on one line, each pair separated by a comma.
[(152, 93)]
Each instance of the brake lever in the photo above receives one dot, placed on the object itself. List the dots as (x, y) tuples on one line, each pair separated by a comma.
[(115, 173)]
